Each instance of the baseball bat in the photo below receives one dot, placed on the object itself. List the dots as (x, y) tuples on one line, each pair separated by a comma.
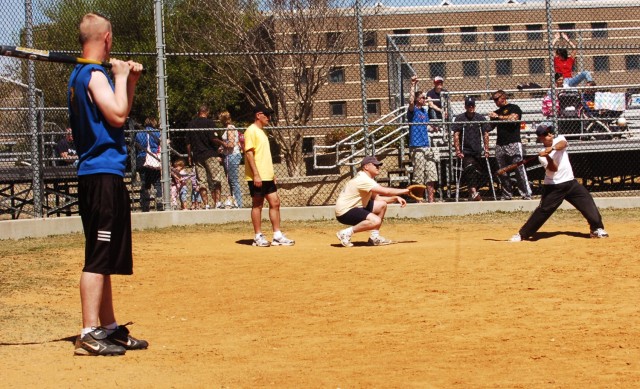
[(49, 56), (514, 166)]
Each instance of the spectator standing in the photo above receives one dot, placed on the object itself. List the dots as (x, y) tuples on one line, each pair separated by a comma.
[(232, 159), (474, 145), (66, 150), (149, 138), (423, 156), (559, 185), (434, 100), (363, 202), (506, 120), (98, 109), (202, 149), (260, 177)]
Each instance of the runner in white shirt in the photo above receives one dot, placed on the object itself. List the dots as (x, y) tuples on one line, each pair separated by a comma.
[(559, 185)]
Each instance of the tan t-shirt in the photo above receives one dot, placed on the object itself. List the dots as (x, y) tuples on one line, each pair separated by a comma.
[(256, 139), (356, 193)]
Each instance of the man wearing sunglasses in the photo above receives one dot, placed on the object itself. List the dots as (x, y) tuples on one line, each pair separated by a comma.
[(506, 120), (559, 185)]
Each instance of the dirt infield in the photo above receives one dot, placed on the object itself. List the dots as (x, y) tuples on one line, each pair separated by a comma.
[(451, 305)]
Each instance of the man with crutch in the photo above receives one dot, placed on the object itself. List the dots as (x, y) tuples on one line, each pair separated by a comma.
[(471, 141)]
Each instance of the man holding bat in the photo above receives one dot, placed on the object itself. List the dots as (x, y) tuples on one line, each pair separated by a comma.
[(98, 109), (559, 184), (363, 203)]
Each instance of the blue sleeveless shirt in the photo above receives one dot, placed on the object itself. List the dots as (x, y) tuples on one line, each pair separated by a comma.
[(101, 148), (418, 132)]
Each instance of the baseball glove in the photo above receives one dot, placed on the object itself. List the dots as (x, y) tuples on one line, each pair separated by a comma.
[(416, 192)]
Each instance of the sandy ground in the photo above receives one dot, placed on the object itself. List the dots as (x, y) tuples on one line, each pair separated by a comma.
[(451, 305)]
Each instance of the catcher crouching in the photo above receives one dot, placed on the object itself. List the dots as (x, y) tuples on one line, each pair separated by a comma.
[(363, 203)]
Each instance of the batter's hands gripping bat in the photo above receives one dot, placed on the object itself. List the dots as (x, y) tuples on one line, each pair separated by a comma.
[(514, 166), (50, 56), (416, 191)]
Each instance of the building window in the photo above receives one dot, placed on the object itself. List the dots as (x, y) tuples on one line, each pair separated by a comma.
[(435, 36), (536, 66), (338, 108), (599, 30), (437, 69), (568, 26), (401, 40), (332, 39), (632, 62), (295, 42), (371, 72), (373, 107), (534, 36), (470, 68), (369, 39), (601, 63), (504, 67), (468, 34), (336, 75), (406, 71), (304, 76), (500, 33)]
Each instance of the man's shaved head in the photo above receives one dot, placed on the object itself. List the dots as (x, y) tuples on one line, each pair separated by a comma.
[(93, 27)]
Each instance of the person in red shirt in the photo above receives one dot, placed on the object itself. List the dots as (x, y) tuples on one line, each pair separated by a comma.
[(563, 63)]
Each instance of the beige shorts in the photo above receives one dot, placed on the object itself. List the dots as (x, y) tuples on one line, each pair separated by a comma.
[(424, 164)]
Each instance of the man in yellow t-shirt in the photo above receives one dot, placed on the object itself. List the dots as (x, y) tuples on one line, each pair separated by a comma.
[(261, 179), (363, 203)]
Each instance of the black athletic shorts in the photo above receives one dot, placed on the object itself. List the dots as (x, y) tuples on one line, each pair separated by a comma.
[(356, 215), (266, 188), (105, 210)]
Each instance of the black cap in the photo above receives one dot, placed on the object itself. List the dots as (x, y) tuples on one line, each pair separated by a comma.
[(370, 159), (262, 108), (469, 102), (544, 128)]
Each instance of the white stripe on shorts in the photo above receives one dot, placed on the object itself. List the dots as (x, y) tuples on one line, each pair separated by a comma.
[(104, 236)]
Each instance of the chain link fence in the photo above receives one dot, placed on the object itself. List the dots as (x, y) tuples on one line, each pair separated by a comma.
[(337, 75)]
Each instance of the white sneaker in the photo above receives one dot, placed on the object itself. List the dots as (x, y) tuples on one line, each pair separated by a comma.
[(344, 239), (379, 241), (283, 241), (599, 233), (227, 204), (260, 241), (219, 205), (516, 238), (207, 206)]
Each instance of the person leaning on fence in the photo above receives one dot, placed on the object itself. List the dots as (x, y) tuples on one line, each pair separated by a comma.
[(261, 179), (362, 204), (563, 63), (559, 185), (98, 109), (506, 120), (423, 156), (66, 150), (148, 139), (474, 145)]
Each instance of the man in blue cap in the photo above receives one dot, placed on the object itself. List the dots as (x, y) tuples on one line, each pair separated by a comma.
[(471, 141), (559, 185)]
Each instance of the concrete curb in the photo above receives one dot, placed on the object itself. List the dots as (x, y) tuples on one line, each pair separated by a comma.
[(35, 228)]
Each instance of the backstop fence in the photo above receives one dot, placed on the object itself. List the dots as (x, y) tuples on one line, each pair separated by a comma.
[(337, 74)]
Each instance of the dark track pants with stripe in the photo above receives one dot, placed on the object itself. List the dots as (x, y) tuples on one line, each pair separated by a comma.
[(552, 196)]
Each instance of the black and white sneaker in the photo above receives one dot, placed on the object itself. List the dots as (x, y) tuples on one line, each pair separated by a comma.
[(95, 343), (599, 233), (121, 337)]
